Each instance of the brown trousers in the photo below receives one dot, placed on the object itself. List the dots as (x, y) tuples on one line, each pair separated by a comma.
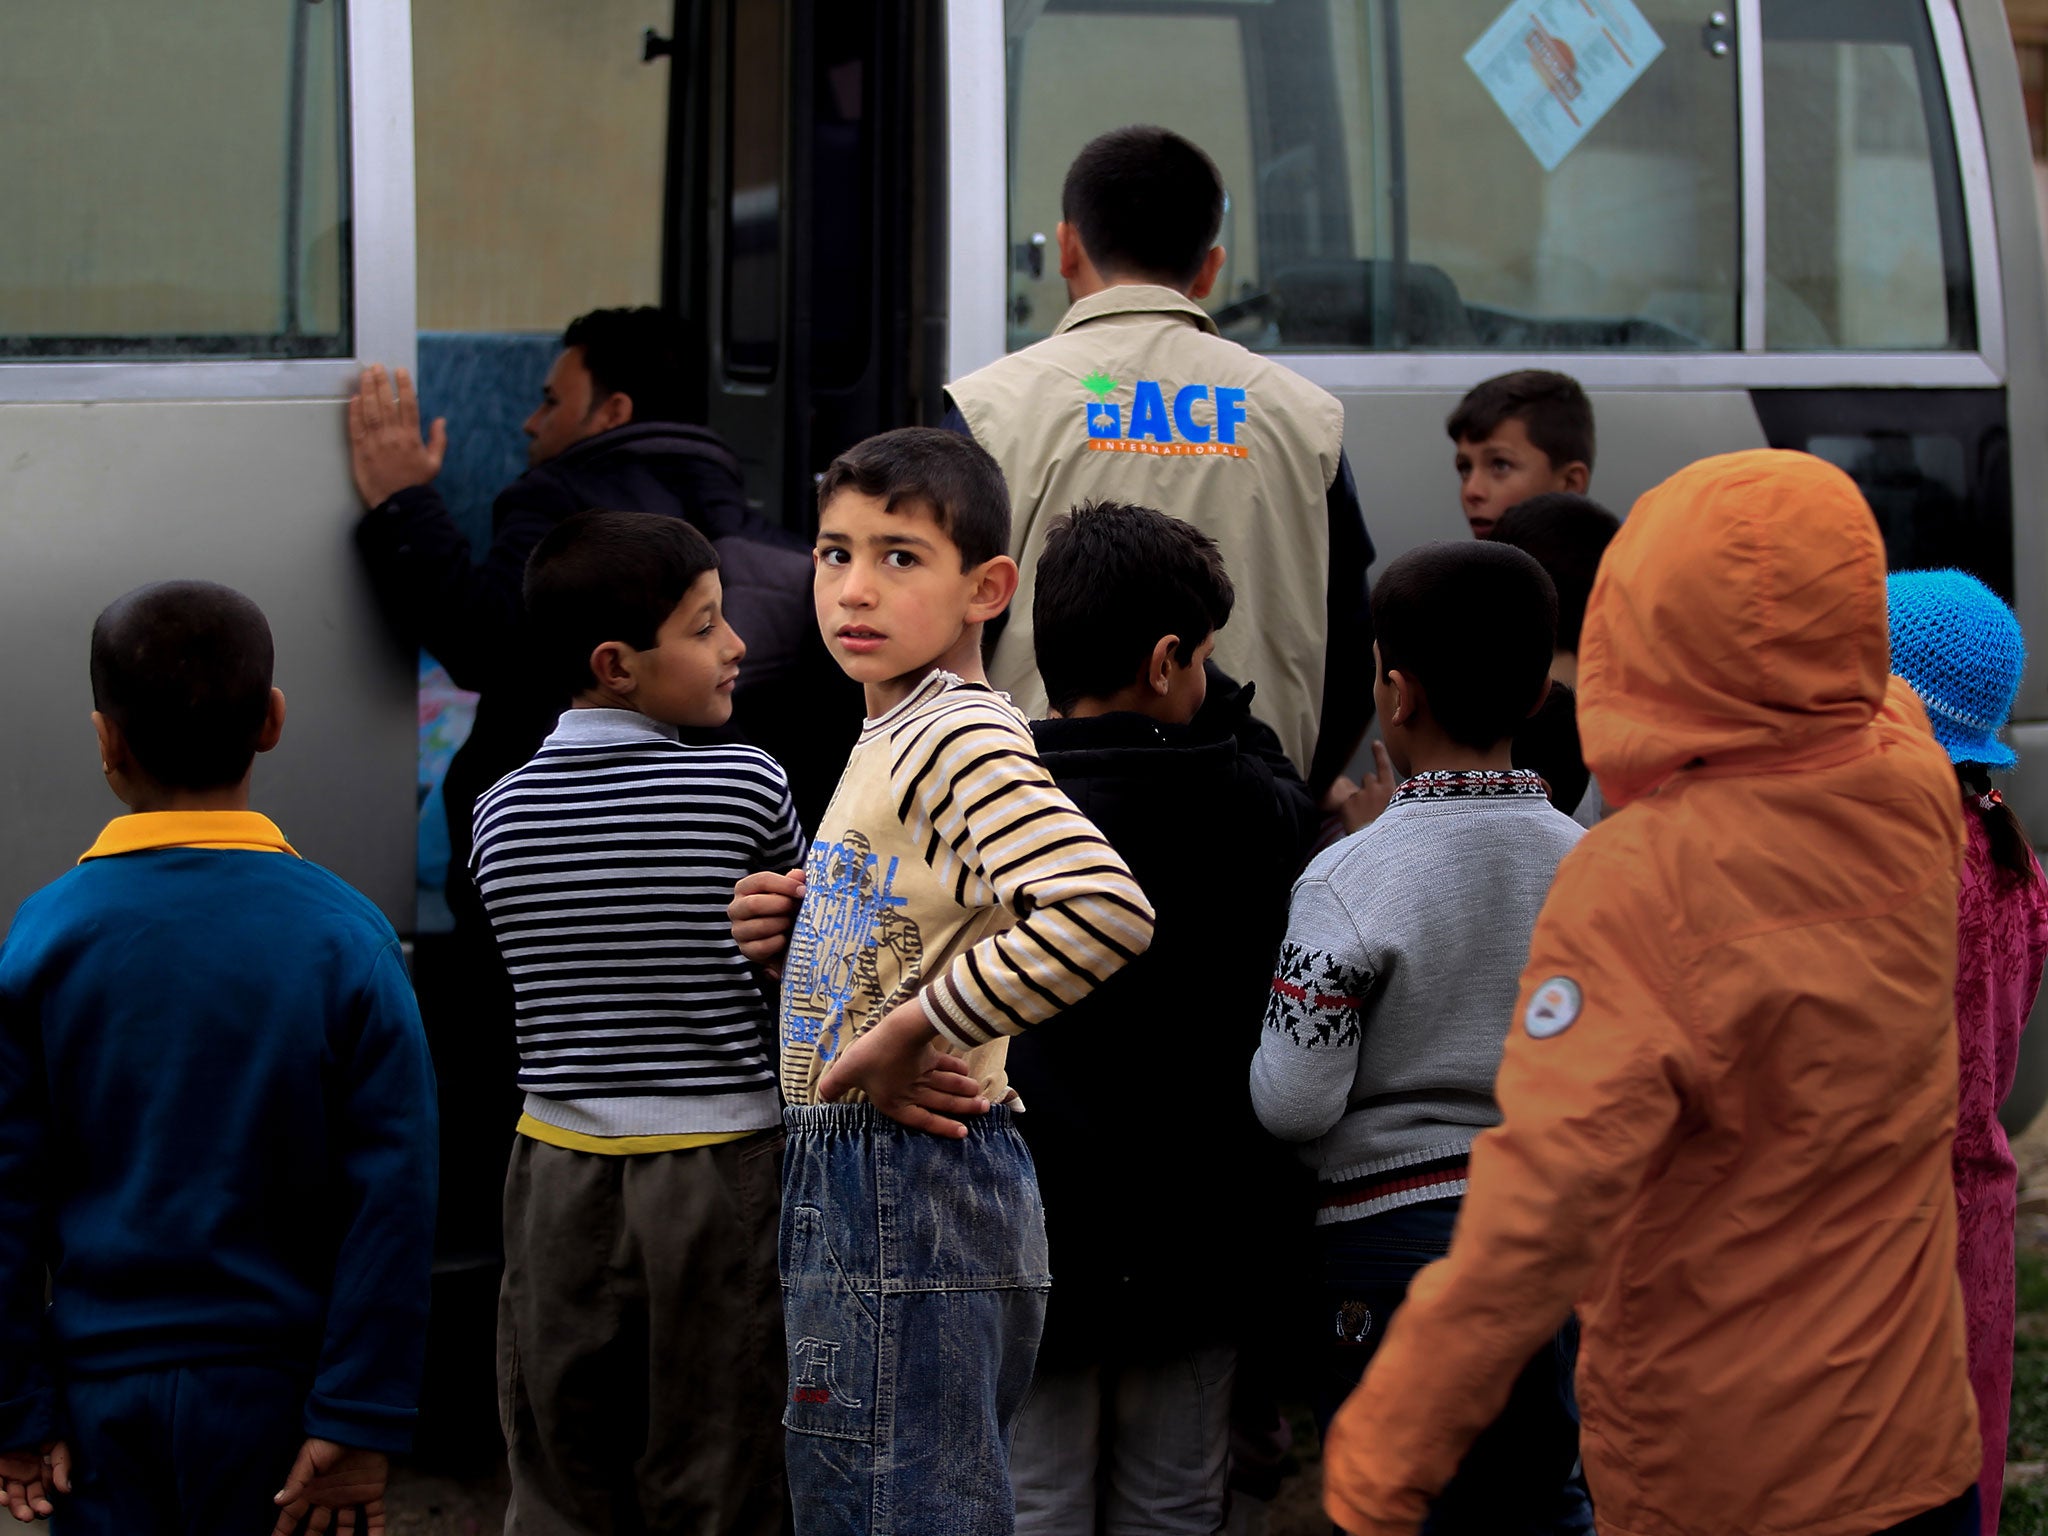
[(641, 1370)]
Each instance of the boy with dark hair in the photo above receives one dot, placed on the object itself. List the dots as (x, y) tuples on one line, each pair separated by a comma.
[(1136, 398), (640, 1368), (1566, 535), (1129, 1414), (217, 1129), (1395, 987), (1520, 435), (952, 898)]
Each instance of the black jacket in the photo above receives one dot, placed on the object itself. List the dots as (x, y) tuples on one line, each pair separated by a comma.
[(1159, 1184), (792, 699)]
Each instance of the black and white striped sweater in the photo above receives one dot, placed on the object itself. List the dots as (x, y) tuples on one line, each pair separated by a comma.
[(606, 864)]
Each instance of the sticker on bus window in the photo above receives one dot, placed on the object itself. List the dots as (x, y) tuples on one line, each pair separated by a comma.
[(1556, 67)]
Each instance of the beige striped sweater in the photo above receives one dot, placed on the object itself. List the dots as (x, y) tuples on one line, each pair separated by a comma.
[(949, 867)]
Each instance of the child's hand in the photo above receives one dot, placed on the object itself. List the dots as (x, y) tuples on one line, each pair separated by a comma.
[(28, 1476), (899, 1066), (1362, 805), (329, 1483), (762, 912)]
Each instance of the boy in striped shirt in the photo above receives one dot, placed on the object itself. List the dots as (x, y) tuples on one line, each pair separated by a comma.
[(639, 1364), (952, 898)]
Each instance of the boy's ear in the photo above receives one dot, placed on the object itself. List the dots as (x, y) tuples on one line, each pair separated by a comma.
[(113, 746), (1408, 696), (995, 583), (1159, 667), (1575, 477), (1205, 280), (273, 722), (1542, 694), (608, 666)]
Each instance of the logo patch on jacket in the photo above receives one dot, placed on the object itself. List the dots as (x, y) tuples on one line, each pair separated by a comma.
[(1553, 1008), (1186, 420)]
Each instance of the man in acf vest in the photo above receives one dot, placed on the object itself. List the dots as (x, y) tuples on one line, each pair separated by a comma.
[(1135, 397)]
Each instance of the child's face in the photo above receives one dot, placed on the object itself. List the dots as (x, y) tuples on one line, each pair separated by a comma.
[(893, 603), (1506, 470), (687, 676)]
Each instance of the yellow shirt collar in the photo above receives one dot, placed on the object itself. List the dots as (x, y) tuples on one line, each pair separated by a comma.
[(189, 829)]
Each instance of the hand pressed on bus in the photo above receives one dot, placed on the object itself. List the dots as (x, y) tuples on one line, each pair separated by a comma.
[(762, 913), (386, 453)]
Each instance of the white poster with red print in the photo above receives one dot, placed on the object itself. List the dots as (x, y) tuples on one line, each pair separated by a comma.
[(1556, 67)]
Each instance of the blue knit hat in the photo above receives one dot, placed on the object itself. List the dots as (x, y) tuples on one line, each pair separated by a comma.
[(1961, 649)]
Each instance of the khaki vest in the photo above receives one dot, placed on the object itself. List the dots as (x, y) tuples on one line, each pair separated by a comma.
[(1136, 398)]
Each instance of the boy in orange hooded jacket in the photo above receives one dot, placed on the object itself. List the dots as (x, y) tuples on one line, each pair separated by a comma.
[(1730, 1085)]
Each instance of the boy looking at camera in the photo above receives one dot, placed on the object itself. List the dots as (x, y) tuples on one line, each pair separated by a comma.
[(217, 1130), (1396, 984), (640, 1358), (1520, 435), (953, 897)]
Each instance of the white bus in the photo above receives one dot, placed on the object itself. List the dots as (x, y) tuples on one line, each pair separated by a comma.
[(1809, 223)]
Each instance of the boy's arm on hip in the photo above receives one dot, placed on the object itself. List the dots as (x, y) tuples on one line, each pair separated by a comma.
[(976, 793)]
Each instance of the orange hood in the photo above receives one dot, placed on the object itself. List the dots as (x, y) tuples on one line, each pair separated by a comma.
[(1738, 620)]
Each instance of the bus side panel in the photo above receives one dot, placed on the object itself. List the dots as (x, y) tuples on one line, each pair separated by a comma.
[(1402, 458), (98, 499)]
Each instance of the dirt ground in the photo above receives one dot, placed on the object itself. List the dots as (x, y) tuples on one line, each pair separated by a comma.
[(425, 1504)]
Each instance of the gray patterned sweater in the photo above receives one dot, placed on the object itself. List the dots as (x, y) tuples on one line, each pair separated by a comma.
[(1395, 985)]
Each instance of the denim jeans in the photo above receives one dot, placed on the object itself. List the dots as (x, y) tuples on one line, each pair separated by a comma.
[(1520, 1478), (1126, 1446), (914, 1280)]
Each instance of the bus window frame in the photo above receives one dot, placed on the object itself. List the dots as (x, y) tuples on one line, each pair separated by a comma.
[(380, 171), (978, 275)]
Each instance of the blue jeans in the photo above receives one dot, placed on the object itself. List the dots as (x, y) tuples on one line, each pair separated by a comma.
[(195, 1452), (914, 1281), (1520, 1478)]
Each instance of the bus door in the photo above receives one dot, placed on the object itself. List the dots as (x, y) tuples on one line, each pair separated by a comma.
[(796, 238), (209, 227)]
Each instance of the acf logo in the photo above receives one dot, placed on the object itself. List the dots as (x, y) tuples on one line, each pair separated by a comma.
[(1200, 420)]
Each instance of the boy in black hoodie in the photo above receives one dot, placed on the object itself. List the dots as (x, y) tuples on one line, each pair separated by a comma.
[(1153, 1244)]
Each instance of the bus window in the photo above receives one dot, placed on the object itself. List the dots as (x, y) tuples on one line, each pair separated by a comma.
[(753, 227), (1864, 211), (156, 209), (1380, 197)]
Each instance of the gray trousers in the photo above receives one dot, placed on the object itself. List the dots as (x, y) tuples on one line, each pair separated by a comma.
[(641, 1372), (1126, 1447)]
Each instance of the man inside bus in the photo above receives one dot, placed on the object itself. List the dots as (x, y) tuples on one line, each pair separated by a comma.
[(610, 431), (1135, 397)]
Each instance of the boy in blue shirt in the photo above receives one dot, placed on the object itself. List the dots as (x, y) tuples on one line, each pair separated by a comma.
[(217, 1130)]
